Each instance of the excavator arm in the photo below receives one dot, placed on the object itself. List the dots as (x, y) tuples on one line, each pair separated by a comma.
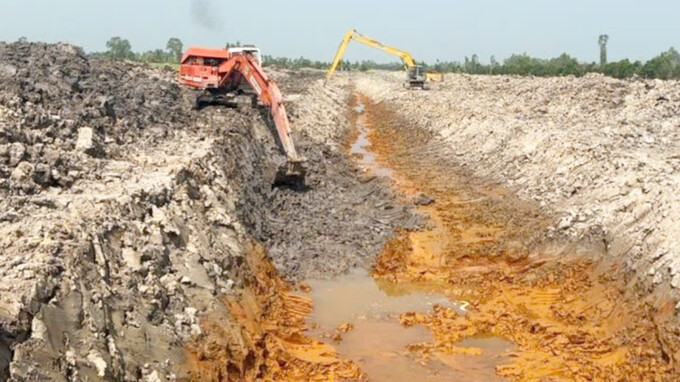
[(269, 94), (352, 34), (219, 73)]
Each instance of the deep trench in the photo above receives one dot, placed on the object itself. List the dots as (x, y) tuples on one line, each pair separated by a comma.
[(341, 219), (335, 220), (492, 259), (495, 253)]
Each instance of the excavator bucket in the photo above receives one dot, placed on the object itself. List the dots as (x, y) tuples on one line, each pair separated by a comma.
[(291, 173)]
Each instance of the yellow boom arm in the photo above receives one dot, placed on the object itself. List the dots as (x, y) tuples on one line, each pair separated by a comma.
[(352, 34)]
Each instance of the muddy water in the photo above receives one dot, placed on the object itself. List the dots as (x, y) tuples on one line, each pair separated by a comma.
[(361, 314), (361, 150), (367, 312), (357, 295)]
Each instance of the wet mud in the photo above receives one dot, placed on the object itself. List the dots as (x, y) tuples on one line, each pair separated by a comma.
[(260, 335)]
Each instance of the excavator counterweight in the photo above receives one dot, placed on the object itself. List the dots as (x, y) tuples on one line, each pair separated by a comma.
[(221, 74)]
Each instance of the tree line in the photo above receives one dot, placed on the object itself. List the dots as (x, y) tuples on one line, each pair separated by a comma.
[(120, 49), (664, 66), (301, 62)]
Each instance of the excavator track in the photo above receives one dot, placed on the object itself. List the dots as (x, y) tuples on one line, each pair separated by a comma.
[(230, 100)]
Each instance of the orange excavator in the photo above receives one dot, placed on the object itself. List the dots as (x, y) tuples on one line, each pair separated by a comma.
[(226, 76)]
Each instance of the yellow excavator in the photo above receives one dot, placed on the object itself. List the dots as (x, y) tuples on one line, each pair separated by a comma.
[(416, 76)]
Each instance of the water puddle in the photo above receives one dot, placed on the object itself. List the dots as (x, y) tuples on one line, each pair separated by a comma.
[(356, 295), (360, 314), (368, 313), (360, 149)]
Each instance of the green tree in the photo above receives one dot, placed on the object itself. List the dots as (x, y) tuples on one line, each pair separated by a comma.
[(602, 40), (563, 65), (663, 66), (22, 39), (156, 56), (521, 64), (119, 49), (474, 66), (494, 67), (622, 69), (175, 46)]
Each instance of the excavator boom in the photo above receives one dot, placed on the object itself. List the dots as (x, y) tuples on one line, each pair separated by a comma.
[(416, 76), (218, 71), (267, 91), (352, 34)]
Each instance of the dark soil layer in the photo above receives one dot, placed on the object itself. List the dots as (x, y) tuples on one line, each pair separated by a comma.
[(333, 223)]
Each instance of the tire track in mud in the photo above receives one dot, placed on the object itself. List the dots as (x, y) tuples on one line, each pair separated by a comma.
[(570, 315)]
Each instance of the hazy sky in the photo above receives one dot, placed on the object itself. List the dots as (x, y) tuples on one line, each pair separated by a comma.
[(429, 29)]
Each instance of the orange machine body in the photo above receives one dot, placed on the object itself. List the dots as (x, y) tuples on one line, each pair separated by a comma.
[(226, 70), (199, 67)]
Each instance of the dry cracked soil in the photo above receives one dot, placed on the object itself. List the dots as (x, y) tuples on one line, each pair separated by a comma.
[(142, 239)]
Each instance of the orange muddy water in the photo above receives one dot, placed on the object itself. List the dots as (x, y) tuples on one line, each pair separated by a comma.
[(360, 316)]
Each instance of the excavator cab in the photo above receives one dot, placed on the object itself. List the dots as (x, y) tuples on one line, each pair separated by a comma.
[(248, 49), (415, 77)]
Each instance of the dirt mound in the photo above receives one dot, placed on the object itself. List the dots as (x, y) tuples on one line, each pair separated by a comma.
[(55, 102)]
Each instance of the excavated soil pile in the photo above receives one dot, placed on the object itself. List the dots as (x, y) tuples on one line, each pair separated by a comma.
[(55, 100), (125, 213)]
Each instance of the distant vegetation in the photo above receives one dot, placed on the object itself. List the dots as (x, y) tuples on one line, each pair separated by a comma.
[(297, 63), (121, 49), (664, 66)]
